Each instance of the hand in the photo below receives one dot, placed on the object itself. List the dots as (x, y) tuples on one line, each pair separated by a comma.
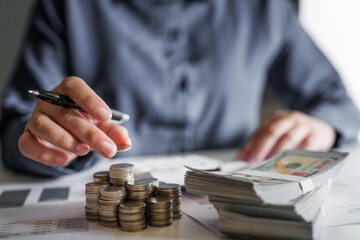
[(287, 130), (55, 135)]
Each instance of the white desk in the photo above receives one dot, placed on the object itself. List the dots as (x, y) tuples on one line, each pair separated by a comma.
[(348, 179), (185, 228)]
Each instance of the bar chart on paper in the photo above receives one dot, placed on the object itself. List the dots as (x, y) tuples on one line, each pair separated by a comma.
[(42, 227)]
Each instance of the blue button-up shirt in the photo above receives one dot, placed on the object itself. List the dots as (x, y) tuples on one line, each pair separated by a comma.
[(191, 74)]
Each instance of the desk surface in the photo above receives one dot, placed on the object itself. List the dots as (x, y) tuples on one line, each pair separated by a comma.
[(186, 228)]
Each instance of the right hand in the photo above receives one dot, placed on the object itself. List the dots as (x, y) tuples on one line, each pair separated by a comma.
[(56, 135)]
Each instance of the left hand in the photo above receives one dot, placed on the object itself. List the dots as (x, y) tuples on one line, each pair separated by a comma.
[(287, 130)]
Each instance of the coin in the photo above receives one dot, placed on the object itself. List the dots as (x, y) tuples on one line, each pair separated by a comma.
[(116, 199), (130, 224), (169, 190), (108, 204), (121, 173), (173, 191), (109, 224), (92, 192), (140, 189), (131, 206), (134, 229), (122, 165), (132, 216), (159, 211), (101, 177)]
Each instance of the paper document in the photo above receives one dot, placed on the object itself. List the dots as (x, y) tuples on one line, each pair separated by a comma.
[(199, 208)]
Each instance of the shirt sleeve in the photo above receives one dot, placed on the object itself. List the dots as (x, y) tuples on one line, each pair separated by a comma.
[(42, 64), (306, 81)]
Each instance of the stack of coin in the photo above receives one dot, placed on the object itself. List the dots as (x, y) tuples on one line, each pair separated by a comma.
[(109, 200), (141, 189), (159, 211), (155, 184), (102, 177), (92, 192), (132, 216), (172, 191), (121, 173)]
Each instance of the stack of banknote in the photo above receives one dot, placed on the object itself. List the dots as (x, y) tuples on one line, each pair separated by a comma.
[(280, 198)]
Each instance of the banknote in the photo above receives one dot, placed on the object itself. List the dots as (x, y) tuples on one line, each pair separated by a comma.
[(297, 163)]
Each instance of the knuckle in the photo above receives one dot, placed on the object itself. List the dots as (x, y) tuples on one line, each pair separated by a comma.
[(290, 137), (69, 83), (43, 157), (309, 143), (91, 134), (272, 130), (65, 141), (295, 114), (86, 99), (37, 122), (67, 116)]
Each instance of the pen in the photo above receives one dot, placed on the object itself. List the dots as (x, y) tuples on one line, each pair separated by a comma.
[(65, 101)]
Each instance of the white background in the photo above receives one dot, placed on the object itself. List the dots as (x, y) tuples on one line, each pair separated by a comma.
[(334, 26)]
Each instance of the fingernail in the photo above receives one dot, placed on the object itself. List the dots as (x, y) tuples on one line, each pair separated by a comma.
[(82, 148), (123, 147), (103, 114), (60, 160), (107, 148)]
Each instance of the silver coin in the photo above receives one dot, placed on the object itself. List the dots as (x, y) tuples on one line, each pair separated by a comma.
[(122, 165), (168, 185)]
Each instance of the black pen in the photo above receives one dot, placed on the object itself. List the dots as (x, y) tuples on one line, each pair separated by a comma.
[(65, 101)]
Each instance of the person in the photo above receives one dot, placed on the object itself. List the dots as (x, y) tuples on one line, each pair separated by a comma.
[(191, 74)]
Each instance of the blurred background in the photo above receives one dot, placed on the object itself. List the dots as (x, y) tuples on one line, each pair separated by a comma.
[(333, 24)]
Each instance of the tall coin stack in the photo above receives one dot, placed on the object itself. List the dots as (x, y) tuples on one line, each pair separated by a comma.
[(121, 173), (109, 200), (92, 192), (141, 189), (172, 191), (132, 216), (101, 177), (159, 211)]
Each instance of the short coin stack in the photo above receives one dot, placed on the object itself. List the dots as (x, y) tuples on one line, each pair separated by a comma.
[(159, 211), (141, 189), (148, 201), (109, 200), (121, 173), (92, 192), (132, 216), (172, 191), (101, 177)]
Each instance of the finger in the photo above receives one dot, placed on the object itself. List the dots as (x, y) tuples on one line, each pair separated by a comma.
[(30, 147), (84, 130), (246, 152), (118, 134), (45, 128), (309, 143), (267, 137), (290, 140), (85, 97)]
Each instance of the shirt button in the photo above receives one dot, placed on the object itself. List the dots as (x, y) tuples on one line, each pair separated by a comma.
[(173, 35), (183, 83)]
